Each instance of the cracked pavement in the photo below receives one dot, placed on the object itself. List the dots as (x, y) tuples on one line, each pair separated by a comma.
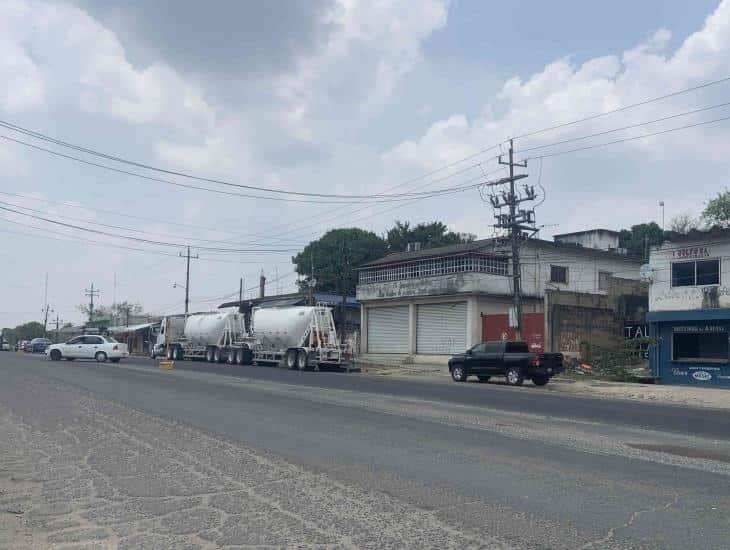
[(101, 456)]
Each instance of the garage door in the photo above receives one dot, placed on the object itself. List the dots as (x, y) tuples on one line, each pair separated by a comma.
[(388, 329), (441, 328)]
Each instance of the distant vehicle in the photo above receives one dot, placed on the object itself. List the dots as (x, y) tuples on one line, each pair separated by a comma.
[(88, 346), (39, 345), (26, 346), (5, 346), (513, 360)]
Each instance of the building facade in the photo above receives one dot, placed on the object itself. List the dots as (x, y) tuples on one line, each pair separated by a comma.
[(689, 308), (439, 301)]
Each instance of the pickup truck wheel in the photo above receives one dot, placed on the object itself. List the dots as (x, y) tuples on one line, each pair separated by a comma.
[(55, 355), (514, 376), (540, 380), (484, 379), (458, 373)]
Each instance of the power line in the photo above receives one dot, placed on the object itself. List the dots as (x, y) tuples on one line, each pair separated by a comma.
[(375, 198), (630, 126), (651, 134), (625, 107), (138, 239)]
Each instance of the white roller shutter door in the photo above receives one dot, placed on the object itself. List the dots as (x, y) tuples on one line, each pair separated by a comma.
[(388, 329), (441, 328)]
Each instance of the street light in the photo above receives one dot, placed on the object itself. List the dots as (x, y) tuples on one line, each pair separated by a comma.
[(661, 203), (176, 285)]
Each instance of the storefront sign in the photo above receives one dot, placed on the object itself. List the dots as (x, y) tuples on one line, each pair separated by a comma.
[(691, 252), (699, 328)]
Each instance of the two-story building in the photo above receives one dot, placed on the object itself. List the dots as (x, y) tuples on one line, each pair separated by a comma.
[(689, 308), (439, 301)]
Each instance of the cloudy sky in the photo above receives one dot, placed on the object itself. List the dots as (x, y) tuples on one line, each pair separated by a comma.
[(334, 97)]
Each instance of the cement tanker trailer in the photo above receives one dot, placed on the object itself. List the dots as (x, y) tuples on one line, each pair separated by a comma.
[(216, 337), (301, 336)]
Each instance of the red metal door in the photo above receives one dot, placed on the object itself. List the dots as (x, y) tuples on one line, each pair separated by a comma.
[(496, 327)]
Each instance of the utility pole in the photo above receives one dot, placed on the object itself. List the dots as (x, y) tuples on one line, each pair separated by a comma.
[(58, 322), (516, 222), (46, 310), (91, 293), (187, 277), (240, 295)]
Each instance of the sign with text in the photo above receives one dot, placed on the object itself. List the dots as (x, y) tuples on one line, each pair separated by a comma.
[(691, 252)]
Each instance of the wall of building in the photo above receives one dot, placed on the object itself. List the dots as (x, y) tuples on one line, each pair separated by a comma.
[(664, 297), (583, 268), (442, 285), (602, 240)]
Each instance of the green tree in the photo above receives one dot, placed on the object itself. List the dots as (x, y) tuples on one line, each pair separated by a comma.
[(116, 313), (717, 210), (430, 235), (28, 331), (640, 238), (336, 256)]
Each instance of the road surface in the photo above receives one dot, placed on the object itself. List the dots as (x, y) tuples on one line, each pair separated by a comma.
[(130, 456)]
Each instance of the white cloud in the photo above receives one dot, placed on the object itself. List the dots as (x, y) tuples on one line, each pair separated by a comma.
[(563, 91), (372, 44), (58, 53)]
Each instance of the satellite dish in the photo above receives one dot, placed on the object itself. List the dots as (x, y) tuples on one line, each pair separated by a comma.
[(646, 273)]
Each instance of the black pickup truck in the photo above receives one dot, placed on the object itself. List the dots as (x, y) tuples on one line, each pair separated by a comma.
[(513, 360)]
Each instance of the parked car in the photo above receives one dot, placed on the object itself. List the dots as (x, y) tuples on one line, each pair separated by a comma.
[(5, 346), (89, 346), (513, 360), (39, 345)]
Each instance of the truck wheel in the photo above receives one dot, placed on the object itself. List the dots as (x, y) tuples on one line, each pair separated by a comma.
[(302, 360), (177, 353), (514, 376), (239, 357), (231, 357), (209, 355), (458, 373), (540, 380), (291, 359), (168, 353), (217, 355)]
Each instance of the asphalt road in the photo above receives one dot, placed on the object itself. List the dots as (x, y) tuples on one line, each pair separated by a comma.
[(264, 456)]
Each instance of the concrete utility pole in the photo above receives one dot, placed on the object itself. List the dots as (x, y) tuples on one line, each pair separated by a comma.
[(187, 277), (515, 222), (91, 293)]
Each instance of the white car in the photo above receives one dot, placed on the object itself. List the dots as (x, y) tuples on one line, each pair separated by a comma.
[(89, 346)]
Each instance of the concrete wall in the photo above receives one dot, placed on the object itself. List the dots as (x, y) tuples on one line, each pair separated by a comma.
[(664, 297), (601, 240), (442, 285), (572, 318)]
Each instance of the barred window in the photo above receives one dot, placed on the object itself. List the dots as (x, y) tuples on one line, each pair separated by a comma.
[(434, 267)]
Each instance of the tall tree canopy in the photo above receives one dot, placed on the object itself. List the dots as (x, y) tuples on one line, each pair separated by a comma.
[(430, 235), (717, 210), (336, 256), (640, 238), (26, 331)]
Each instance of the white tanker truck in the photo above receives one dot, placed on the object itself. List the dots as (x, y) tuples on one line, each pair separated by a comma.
[(301, 337)]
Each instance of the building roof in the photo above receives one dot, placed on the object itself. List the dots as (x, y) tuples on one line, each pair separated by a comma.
[(586, 231), (487, 246), (450, 250), (717, 233), (294, 299)]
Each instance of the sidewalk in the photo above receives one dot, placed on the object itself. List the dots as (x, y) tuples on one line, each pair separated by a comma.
[(713, 398)]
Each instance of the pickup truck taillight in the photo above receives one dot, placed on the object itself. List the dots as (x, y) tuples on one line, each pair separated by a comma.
[(536, 361), (115, 348)]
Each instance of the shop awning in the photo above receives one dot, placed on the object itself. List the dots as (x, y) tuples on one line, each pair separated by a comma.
[(718, 314)]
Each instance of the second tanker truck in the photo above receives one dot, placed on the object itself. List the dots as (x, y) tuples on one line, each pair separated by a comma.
[(300, 337)]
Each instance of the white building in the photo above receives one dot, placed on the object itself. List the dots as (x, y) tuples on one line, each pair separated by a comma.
[(689, 308), (440, 301)]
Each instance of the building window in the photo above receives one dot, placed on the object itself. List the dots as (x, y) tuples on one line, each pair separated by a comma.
[(604, 280), (697, 273), (700, 346), (437, 266), (558, 274)]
